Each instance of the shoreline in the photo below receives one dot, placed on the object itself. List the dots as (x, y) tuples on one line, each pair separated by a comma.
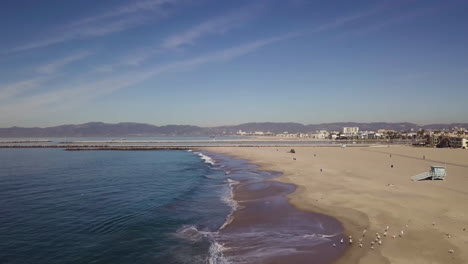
[(262, 208), (181, 146), (423, 242)]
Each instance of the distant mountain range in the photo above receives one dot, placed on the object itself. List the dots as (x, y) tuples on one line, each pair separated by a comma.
[(99, 129)]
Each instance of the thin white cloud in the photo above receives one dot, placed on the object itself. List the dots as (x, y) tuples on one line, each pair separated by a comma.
[(8, 91), (132, 7), (218, 25), (54, 66), (213, 26), (85, 92), (221, 25), (112, 21), (400, 18), (134, 58)]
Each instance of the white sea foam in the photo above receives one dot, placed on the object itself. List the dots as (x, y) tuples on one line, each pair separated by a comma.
[(320, 236), (228, 198), (206, 158), (216, 254), (191, 233)]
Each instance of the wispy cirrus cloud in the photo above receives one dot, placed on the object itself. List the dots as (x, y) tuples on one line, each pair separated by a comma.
[(115, 20), (223, 24), (83, 93), (215, 26), (131, 8), (55, 65), (10, 90), (397, 19)]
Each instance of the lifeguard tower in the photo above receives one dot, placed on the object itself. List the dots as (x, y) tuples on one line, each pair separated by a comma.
[(436, 173)]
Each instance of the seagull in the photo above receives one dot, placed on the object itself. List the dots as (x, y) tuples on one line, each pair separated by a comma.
[(372, 248), (380, 242), (342, 240), (334, 245), (451, 251), (350, 241), (402, 233), (385, 234)]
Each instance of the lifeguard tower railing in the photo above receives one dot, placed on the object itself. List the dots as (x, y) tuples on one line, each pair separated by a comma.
[(436, 173)]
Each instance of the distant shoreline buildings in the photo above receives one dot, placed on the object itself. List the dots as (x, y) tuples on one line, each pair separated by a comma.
[(454, 138)]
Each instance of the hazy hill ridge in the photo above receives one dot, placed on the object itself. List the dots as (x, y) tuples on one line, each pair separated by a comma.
[(99, 129)]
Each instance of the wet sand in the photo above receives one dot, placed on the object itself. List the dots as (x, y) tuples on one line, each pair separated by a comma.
[(266, 228), (359, 187)]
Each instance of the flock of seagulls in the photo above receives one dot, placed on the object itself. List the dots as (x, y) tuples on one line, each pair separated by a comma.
[(378, 238)]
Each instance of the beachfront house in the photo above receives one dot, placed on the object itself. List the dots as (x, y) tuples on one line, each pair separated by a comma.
[(458, 142)]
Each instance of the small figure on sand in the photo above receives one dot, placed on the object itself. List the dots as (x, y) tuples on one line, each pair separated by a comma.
[(321, 170), (391, 166)]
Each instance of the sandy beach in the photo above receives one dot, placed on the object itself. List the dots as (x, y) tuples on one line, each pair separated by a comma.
[(359, 187)]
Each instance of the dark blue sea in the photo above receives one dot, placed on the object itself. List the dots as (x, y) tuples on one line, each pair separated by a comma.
[(109, 207), (59, 206)]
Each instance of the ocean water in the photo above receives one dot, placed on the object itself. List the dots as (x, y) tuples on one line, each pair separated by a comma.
[(109, 207), (172, 206)]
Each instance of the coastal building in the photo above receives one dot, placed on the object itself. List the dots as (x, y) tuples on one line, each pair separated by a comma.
[(255, 133), (458, 142), (241, 133), (322, 134), (367, 135), (287, 135), (350, 130)]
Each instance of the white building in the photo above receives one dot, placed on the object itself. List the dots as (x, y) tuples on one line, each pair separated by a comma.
[(350, 130), (322, 134), (241, 133)]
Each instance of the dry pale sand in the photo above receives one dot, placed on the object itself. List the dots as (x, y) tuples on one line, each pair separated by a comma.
[(359, 188)]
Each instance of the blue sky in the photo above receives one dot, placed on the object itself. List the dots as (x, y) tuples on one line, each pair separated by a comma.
[(211, 62)]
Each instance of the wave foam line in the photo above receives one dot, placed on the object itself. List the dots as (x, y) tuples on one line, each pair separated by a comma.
[(229, 200), (206, 158)]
